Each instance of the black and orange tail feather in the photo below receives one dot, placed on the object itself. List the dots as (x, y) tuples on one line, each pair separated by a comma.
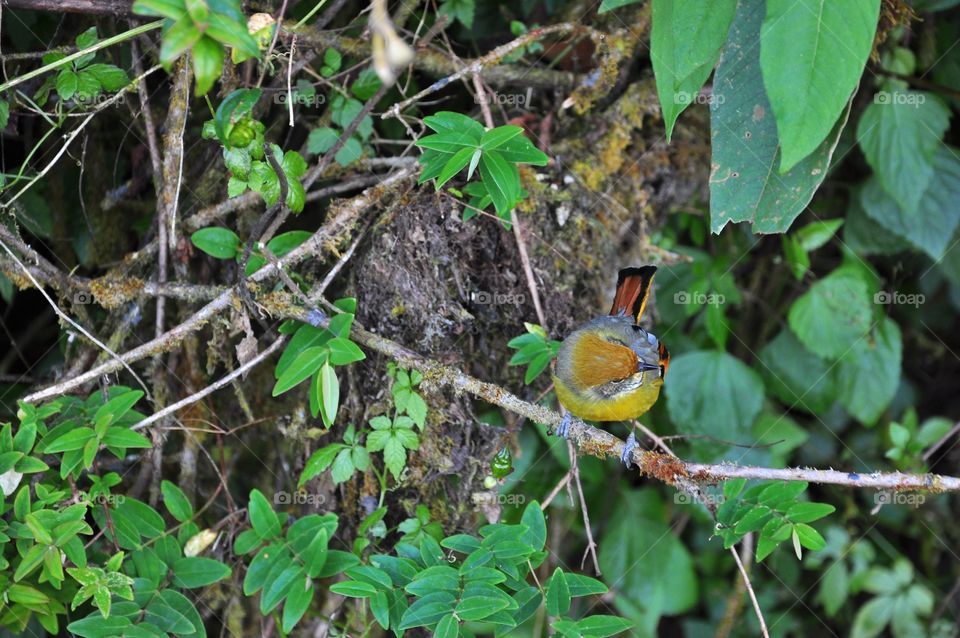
[(633, 289), (664, 359)]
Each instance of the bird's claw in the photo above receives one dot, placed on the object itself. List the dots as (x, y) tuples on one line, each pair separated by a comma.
[(626, 457), (563, 428)]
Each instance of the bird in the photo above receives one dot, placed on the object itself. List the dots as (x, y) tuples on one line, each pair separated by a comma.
[(611, 368)]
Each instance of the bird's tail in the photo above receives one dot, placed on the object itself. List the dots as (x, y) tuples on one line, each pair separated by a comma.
[(633, 289)]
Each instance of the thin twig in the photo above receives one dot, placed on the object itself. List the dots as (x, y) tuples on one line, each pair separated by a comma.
[(753, 596), (591, 544)]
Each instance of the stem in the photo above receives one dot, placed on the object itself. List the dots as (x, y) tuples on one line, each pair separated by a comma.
[(116, 39)]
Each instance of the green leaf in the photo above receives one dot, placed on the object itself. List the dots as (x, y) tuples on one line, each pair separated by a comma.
[(496, 137), (455, 164), (110, 77), (121, 437), (394, 456), (603, 626), (262, 516), (195, 571), (95, 626), (297, 602), (834, 587), (840, 301), (899, 133), (796, 376), (685, 41), (221, 243), (176, 501), (461, 10), (173, 9), (610, 5), (816, 234), (558, 594), (67, 82), (207, 63), (349, 153), (713, 393), (353, 589), (343, 467), (448, 627), (809, 537), (744, 182), (321, 140), (868, 375), (301, 368), (520, 150), (872, 617), (343, 351), (932, 225), (330, 393), (502, 181), (231, 30), (177, 39), (812, 53), (808, 512)]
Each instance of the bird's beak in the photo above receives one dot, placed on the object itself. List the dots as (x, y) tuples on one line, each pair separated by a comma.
[(644, 366)]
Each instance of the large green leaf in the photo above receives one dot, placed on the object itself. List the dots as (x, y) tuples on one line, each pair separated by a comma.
[(712, 392), (744, 182), (640, 558), (869, 374), (931, 227), (796, 376), (685, 41), (812, 53), (899, 134), (831, 317)]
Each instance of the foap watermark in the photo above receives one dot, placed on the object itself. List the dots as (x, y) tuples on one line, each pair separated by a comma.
[(685, 297), (505, 99), (909, 98), (492, 498), (83, 297), (895, 298), (705, 498), (110, 500), (298, 498), (888, 497), (98, 99), (485, 298), (301, 99), (700, 97)]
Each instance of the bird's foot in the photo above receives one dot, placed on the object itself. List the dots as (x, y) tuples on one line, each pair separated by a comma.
[(626, 457), (563, 428)]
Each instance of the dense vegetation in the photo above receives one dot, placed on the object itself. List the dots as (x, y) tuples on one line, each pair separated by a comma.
[(282, 282)]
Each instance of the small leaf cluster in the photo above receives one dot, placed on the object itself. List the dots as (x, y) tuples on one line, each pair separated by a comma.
[(313, 353), (485, 579), (461, 142), (89, 425), (909, 439), (82, 80), (343, 109), (203, 27), (243, 152), (393, 435), (287, 562), (772, 509), (534, 350)]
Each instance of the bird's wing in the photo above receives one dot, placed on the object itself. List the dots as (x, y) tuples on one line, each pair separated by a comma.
[(595, 361)]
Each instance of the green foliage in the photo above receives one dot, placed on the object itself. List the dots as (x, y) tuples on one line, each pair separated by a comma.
[(533, 350), (343, 110), (899, 602), (812, 54), (244, 153), (49, 552), (83, 79), (471, 579), (392, 435), (460, 142), (205, 28), (313, 353), (685, 43), (772, 510)]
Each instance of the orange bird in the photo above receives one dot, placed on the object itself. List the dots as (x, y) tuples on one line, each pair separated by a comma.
[(611, 369)]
